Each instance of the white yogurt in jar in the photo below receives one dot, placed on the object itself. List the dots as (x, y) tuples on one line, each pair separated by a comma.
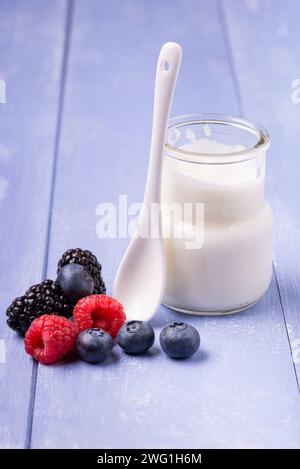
[(233, 267)]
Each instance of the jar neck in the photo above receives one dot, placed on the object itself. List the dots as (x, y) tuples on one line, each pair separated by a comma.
[(215, 138)]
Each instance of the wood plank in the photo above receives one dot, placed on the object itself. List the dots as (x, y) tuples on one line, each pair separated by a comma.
[(240, 390), (265, 38), (31, 47)]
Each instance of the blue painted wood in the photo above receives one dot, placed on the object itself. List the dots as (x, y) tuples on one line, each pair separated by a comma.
[(31, 46), (240, 389), (265, 40)]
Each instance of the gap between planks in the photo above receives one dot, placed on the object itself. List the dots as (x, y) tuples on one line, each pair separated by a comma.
[(70, 6)]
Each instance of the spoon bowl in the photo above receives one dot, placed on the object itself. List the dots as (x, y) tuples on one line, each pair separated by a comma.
[(141, 294)]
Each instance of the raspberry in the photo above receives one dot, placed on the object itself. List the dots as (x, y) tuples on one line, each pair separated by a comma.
[(50, 337), (99, 311)]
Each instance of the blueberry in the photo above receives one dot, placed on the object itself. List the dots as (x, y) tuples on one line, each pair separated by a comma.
[(136, 337), (179, 340), (94, 345), (75, 282)]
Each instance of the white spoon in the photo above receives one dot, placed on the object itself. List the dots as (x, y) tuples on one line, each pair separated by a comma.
[(140, 280)]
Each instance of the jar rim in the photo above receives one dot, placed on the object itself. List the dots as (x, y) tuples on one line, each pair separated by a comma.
[(262, 139)]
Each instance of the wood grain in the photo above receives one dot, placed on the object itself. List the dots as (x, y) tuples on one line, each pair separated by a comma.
[(240, 389), (31, 47)]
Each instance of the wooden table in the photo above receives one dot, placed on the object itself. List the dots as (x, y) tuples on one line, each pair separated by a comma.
[(75, 132)]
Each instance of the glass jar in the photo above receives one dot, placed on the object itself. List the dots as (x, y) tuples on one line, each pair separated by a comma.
[(217, 225)]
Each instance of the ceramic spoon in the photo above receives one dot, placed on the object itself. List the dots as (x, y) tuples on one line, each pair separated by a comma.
[(140, 280)]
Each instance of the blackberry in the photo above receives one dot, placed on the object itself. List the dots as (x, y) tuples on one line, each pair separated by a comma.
[(44, 298), (88, 260)]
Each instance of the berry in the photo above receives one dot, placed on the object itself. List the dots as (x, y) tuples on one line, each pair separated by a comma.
[(89, 262), (99, 311), (75, 282), (179, 340), (50, 338), (44, 298), (136, 337), (94, 345)]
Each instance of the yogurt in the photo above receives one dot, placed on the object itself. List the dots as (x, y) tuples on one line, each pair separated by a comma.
[(232, 268)]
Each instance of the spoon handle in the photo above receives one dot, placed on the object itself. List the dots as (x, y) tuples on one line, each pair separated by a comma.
[(168, 65)]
